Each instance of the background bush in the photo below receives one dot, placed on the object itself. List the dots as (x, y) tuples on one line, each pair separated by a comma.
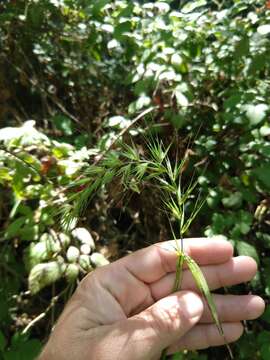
[(83, 70)]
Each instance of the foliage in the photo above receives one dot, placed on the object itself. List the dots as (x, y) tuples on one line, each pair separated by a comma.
[(83, 70)]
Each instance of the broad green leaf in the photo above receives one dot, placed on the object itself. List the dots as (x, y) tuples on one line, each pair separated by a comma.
[(72, 272), (242, 225), (44, 274), (191, 6), (85, 263), (244, 248), (265, 130), (233, 200), (99, 5), (176, 60), (263, 174), (118, 122), (121, 29), (264, 29), (83, 236), (178, 120), (14, 227), (256, 113), (24, 135), (63, 124), (242, 47), (73, 254), (258, 63), (233, 100), (264, 238), (98, 259), (142, 102), (181, 98), (43, 250)]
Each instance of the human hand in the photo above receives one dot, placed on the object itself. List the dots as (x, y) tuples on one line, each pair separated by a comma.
[(125, 310)]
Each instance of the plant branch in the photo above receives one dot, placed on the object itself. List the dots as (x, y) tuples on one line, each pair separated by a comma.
[(123, 131)]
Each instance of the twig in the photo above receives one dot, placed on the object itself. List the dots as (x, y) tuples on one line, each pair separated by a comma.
[(32, 323), (122, 132), (43, 91), (44, 313)]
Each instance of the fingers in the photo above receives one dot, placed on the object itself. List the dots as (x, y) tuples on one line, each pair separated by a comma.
[(233, 308), (203, 336), (164, 322), (153, 262), (235, 271)]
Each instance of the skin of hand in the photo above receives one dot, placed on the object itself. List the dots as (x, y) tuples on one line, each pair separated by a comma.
[(126, 310)]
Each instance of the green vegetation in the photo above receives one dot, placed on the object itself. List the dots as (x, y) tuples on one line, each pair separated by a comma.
[(103, 79)]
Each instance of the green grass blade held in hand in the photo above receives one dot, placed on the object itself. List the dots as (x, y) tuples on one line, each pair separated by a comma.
[(203, 287)]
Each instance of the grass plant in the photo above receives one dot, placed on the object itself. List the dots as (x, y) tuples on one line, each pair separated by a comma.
[(134, 171)]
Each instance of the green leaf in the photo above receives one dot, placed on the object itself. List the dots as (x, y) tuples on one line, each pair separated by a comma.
[(256, 113), (244, 248), (83, 236), (264, 238), (121, 29), (72, 271), (99, 5), (266, 314), (142, 102), (118, 122), (265, 130), (258, 63), (264, 29), (178, 120), (234, 200), (41, 251), (192, 5), (242, 225), (5, 174), (63, 124), (44, 274), (14, 227), (242, 48), (181, 98), (98, 259), (233, 100), (263, 174)]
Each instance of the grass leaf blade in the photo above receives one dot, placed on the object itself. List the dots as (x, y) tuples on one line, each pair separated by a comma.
[(203, 287)]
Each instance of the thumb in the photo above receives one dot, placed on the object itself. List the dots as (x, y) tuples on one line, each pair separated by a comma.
[(165, 322)]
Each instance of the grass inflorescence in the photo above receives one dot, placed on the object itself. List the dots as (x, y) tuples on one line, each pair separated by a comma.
[(154, 168)]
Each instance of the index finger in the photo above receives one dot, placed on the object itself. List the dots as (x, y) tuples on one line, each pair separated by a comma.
[(152, 263)]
